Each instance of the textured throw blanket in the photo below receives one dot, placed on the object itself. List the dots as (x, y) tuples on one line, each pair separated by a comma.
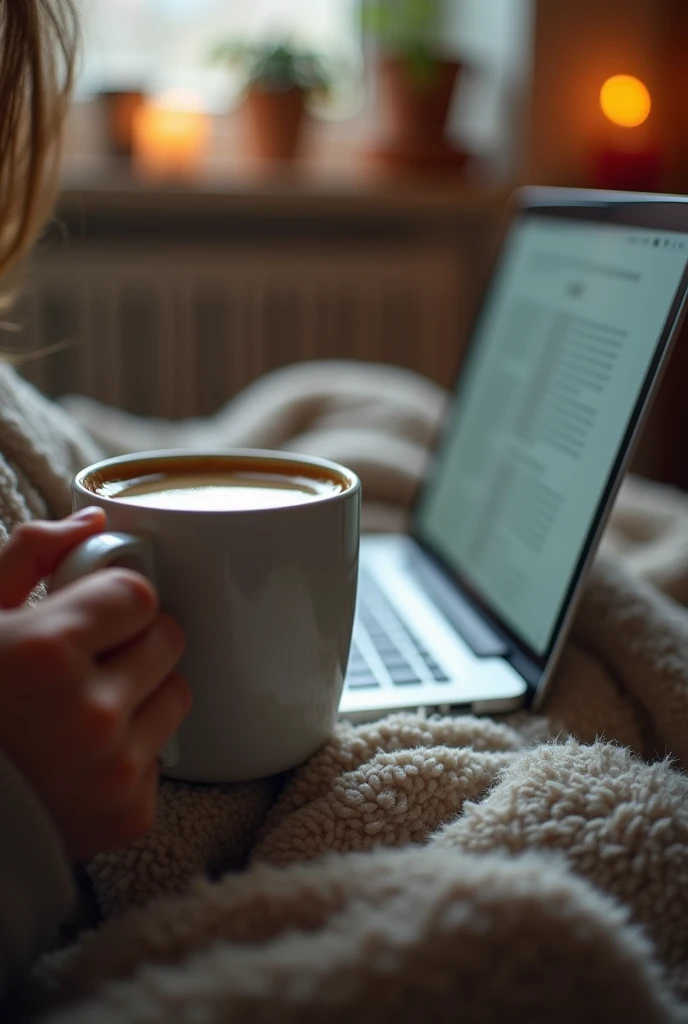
[(455, 869)]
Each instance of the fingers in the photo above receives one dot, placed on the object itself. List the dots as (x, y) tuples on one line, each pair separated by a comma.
[(127, 781), (128, 784), (147, 733), (160, 717), (105, 610), (132, 674), (36, 549)]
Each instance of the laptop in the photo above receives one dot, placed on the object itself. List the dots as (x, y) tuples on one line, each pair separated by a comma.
[(471, 610)]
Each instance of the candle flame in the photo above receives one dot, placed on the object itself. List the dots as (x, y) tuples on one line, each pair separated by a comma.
[(626, 101)]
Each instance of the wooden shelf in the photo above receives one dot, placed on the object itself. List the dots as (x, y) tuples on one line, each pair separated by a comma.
[(101, 182)]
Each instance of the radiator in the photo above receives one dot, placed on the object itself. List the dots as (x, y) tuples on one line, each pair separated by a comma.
[(167, 302), (176, 333)]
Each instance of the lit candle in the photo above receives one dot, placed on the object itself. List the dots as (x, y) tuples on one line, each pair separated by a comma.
[(170, 136), (628, 161)]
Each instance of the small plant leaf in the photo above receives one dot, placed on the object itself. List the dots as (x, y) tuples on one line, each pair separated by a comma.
[(276, 66)]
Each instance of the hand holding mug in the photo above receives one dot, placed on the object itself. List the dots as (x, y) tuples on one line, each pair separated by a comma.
[(88, 690)]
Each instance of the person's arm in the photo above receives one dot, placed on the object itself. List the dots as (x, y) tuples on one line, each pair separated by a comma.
[(36, 886), (89, 696)]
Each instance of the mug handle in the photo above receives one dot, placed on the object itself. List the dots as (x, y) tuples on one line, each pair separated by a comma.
[(103, 551)]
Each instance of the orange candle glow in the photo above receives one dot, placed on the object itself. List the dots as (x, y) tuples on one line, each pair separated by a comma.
[(628, 160), (170, 137), (626, 101)]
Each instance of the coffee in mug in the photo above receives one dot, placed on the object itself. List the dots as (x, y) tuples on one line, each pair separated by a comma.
[(205, 484), (256, 555)]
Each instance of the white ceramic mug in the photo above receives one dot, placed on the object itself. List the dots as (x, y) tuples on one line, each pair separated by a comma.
[(266, 599)]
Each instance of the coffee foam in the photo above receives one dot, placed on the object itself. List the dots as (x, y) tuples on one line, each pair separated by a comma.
[(222, 492), (216, 482)]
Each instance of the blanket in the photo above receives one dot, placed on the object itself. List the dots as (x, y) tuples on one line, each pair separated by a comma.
[(419, 868)]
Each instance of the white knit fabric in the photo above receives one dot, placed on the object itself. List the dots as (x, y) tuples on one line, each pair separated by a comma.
[(415, 870)]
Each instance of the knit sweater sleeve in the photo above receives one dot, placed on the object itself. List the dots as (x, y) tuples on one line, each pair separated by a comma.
[(36, 887), (42, 447)]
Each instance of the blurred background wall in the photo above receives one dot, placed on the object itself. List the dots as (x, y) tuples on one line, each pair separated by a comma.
[(248, 185)]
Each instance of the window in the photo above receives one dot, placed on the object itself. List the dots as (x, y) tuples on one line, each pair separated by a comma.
[(156, 45), (163, 44)]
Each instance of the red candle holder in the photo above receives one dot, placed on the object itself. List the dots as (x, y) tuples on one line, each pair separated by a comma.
[(628, 170), (627, 160)]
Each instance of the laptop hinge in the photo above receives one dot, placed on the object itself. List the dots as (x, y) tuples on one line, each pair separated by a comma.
[(484, 641)]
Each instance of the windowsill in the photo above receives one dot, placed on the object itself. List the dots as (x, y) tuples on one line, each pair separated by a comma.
[(334, 167), (304, 180)]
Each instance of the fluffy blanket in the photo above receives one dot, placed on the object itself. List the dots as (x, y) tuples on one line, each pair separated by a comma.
[(454, 869)]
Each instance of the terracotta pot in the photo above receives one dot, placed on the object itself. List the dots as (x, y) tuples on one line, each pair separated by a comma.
[(276, 121), (416, 113), (120, 107)]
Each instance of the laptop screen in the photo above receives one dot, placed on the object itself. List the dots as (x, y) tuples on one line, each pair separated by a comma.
[(563, 348)]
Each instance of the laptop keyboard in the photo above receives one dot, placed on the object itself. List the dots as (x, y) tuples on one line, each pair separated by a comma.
[(384, 651)]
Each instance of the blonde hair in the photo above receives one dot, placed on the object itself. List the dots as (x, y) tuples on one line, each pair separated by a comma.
[(38, 45)]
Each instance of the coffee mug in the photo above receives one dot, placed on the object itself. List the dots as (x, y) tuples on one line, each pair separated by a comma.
[(255, 554)]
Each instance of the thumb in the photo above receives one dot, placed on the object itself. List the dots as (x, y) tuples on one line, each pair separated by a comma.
[(36, 549)]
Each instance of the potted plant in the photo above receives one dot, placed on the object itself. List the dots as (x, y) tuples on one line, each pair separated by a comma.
[(280, 78), (417, 80)]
